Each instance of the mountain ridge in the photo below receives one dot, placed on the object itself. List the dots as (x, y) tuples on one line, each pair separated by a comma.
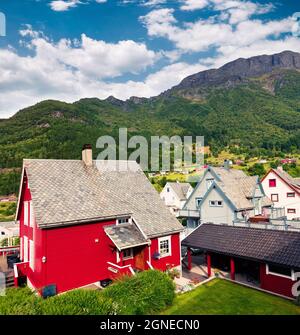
[(259, 114)]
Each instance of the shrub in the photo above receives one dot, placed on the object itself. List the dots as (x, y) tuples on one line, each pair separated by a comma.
[(78, 302), (146, 293)]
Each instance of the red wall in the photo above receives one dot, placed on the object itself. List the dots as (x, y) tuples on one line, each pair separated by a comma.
[(172, 260), (275, 284)]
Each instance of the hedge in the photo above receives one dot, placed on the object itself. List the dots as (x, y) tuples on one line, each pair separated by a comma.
[(148, 292)]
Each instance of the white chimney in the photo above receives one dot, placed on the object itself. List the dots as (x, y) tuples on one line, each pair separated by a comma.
[(87, 155)]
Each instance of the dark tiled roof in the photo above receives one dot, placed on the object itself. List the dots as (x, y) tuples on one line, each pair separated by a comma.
[(280, 247), (125, 235)]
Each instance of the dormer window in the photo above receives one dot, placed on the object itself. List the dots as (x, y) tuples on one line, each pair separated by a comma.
[(123, 220)]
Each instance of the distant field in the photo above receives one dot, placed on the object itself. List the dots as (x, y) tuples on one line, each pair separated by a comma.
[(7, 211), (223, 297)]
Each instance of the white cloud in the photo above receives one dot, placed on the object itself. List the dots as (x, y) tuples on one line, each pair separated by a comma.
[(153, 2), (61, 5), (67, 70), (194, 4), (204, 34), (64, 5)]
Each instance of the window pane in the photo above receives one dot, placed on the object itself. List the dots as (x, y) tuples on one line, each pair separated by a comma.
[(164, 247), (280, 270)]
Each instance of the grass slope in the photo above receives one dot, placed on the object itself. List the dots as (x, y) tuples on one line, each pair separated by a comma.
[(223, 297)]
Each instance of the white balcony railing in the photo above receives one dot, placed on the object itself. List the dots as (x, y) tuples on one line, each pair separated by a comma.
[(189, 213)]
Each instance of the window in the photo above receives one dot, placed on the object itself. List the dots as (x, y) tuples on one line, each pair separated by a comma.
[(198, 201), (215, 203), (291, 210), (164, 245), (272, 182), (127, 253), (31, 216), (274, 197), (31, 255), (25, 249), (25, 213), (123, 220), (2, 233), (280, 271), (290, 194), (168, 189)]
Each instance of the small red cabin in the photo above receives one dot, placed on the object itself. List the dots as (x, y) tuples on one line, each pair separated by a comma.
[(83, 221)]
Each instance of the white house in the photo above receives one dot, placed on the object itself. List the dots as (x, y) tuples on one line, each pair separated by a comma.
[(224, 195), (8, 230), (175, 195), (284, 191)]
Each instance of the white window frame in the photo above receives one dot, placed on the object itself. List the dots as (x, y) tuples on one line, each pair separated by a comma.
[(25, 253), (21, 247), (161, 239), (268, 272), (25, 213), (125, 218), (31, 255), (31, 216), (216, 203)]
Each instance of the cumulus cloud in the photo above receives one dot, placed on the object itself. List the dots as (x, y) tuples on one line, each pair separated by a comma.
[(212, 32), (64, 5), (61, 5), (194, 4), (67, 69)]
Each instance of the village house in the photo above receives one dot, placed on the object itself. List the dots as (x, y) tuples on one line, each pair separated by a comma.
[(224, 195), (82, 222), (284, 191), (9, 232), (175, 195)]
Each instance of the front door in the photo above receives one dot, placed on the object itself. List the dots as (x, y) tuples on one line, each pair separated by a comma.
[(140, 259)]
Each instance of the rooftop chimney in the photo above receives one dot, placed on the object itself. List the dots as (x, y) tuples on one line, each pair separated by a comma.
[(87, 155)]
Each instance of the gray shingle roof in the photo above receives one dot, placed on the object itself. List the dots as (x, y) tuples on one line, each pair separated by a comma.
[(125, 236), (67, 191), (295, 182), (273, 246), (180, 189), (238, 187)]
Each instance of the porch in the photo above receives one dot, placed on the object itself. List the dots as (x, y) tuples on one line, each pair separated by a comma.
[(198, 267)]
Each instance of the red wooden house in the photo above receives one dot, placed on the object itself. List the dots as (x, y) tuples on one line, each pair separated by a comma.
[(82, 222)]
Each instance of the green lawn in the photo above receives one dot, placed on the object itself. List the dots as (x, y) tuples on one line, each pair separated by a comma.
[(223, 297)]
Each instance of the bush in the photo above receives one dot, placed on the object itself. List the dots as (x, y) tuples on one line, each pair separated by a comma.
[(78, 302), (146, 293)]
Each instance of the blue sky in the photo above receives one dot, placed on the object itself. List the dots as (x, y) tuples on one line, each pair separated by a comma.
[(70, 49)]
